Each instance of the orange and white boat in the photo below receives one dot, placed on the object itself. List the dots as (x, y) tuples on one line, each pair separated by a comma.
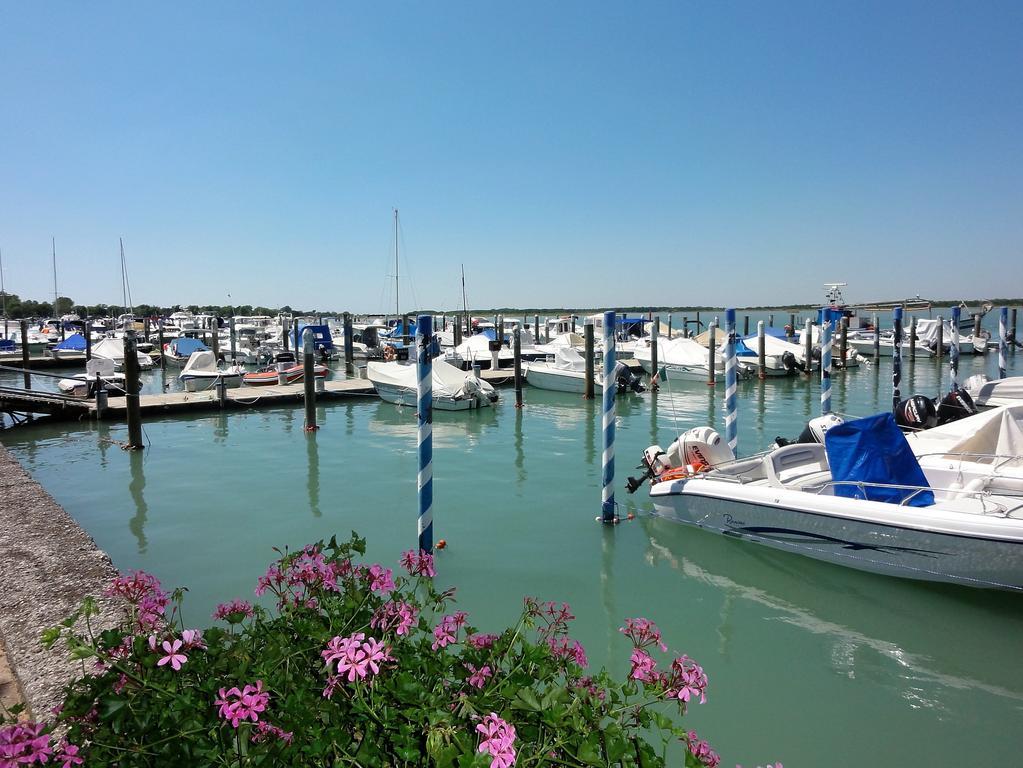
[(295, 372)]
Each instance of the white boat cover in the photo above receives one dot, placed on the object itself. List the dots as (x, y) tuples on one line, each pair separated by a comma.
[(448, 381), (203, 361), (478, 348), (109, 348), (104, 366), (681, 352), (998, 392), (568, 359), (998, 431)]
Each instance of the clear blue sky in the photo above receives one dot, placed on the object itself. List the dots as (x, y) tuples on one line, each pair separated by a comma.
[(567, 153)]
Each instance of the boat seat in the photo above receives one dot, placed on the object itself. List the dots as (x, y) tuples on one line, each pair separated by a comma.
[(786, 466)]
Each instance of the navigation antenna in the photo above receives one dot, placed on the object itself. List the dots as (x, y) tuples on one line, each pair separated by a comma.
[(834, 294)]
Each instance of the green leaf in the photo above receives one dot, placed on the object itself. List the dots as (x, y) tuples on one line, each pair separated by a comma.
[(525, 698)]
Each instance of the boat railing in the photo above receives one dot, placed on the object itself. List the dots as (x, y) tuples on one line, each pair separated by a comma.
[(983, 496), (996, 460)]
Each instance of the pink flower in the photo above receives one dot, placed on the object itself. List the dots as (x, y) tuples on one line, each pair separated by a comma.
[(642, 666), (686, 681), (234, 612), (478, 677), (481, 641), (498, 739), (192, 638), (68, 756), (237, 706), (24, 743), (701, 750), (563, 647), (356, 656), (643, 632), (400, 617), (446, 632), (265, 730), (173, 658), (418, 563), (380, 579)]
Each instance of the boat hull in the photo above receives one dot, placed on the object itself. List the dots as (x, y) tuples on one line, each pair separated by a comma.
[(203, 383), (405, 396), (866, 545), (542, 377)]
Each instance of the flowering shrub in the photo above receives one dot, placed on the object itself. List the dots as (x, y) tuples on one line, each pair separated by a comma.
[(354, 666)]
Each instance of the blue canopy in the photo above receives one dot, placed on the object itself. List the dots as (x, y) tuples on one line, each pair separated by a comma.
[(6, 345), (73, 343), (185, 346), (321, 337), (874, 451), (400, 330)]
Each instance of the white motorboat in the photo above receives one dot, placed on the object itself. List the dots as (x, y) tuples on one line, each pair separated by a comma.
[(566, 372), (990, 393), (985, 450), (687, 360), (920, 520), (70, 348), (453, 389), (201, 373), (113, 350), (84, 384), (780, 358), (178, 351), (476, 349)]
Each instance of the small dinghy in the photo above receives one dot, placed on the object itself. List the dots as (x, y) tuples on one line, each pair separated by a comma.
[(84, 384), (293, 372)]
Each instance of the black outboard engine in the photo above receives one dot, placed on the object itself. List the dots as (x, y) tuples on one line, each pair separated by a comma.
[(627, 380), (789, 361), (954, 406), (918, 412)]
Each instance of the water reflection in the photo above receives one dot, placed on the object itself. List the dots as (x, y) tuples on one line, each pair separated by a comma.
[(220, 427), (520, 454), (450, 428), (878, 627), (312, 453), (137, 524)]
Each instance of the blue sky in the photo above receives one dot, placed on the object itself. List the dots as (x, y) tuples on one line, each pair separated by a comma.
[(568, 154)]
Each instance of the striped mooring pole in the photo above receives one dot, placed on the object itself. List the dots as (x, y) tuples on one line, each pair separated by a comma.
[(731, 409), (953, 353), (607, 498), (897, 359), (1003, 341), (826, 367), (424, 416)]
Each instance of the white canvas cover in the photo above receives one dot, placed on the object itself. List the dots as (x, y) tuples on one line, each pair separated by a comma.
[(102, 365), (569, 359), (998, 392), (998, 431), (109, 348), (682, 352), (448, 381), (203, 361)]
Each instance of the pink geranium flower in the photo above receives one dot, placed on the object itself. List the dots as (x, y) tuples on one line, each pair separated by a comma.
[(236, 706), (478, 677), (234, 612), (643, 666), (356, 657), (498, 740), (418, 563), (446, 632), (24, 744), (380, 579), (172, 657)]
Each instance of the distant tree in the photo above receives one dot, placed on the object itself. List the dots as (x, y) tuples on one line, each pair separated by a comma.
[(263, 311), (193, 308), (63, 306)]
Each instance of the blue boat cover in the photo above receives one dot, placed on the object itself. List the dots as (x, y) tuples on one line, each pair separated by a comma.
[(6, 345), (321, 337), (73, 343), (874, 450), (185, 346)]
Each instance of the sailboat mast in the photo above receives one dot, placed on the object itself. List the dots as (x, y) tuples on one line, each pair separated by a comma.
[(465, 305), (53, 242), (397, 312), (124, 287), (3, 291)]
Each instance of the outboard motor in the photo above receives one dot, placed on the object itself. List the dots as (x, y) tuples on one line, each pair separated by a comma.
[(789, 361), (813, 432), (954, 406), (918, 412), (626, 379), (697, 450)]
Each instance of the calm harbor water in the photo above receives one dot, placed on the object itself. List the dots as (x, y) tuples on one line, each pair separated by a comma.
[(809, 663)]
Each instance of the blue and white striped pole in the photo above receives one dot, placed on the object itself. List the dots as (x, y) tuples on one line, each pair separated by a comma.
[(731, 408), (607, 505), (826, 366), (424, 391), (1003, 341), (953, 354), (897, 360)]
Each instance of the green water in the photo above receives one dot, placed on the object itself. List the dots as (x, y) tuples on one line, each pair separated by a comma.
[(809, 663)]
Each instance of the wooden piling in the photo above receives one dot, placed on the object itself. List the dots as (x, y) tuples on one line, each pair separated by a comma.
[(25, 355), (573, 323), (808, 348), (163, 354), (745, 325), (877, 339), (517, 349), (499, 330), (234, 341), (912, 341), (940, 349), (309, 379), (457, 331), (215, 343), (131, 392), (588, 354), (536, 329), (285, 332), (406, 337), (88, 339), (348, 338), (792, 327), (761, 351), (654, 362), (843, 339), (976, 327), (1012, 330), (712, 374)]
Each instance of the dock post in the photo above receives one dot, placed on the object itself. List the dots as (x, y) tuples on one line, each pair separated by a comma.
[(517, 348), (976, 327), (761, 351), (731, 404), (25, 362), (536, 329), (1003, 341), (349, 338), (1012, 330), (424, 420), (163, 353), (131, 392), (285, 332), (145, 330), (770, 320), (808, 347), (102, 398), (588, 355), (456, 329), (877, 339), (607, 506), (221, 387), (654, 362), (88, 339), (697, 322), (826, 342), (499, 331), (953, 355), (745, 326), (309, 379), (711, 352), (792, 327), (573, 323), (897, 359), (843, 340), (216, 341), (912, 340), (406, 337), (234, 341)]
